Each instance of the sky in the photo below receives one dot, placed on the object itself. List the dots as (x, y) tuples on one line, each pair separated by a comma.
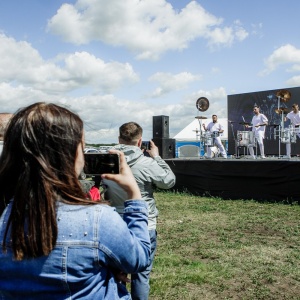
[(118, 61)]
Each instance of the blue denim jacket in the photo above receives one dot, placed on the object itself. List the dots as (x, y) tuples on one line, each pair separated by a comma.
[(92, 241)]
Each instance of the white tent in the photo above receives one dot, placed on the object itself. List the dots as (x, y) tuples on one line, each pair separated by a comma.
[(191, 131)]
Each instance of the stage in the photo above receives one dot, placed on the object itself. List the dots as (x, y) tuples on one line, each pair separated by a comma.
[(272, 179)]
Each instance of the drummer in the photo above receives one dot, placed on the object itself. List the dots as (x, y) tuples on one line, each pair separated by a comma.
[(259, 122), (294, 117), (216, 130)]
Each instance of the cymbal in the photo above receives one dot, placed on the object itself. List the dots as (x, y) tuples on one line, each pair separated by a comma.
[(281, 110), (200, 117), (284, 95), (244, 123), (202, 104)]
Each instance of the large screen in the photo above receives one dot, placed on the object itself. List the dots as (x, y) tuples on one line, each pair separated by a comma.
[(240, 109)]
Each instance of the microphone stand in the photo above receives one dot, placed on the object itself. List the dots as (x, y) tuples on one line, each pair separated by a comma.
[(235, 139), (200, 138)]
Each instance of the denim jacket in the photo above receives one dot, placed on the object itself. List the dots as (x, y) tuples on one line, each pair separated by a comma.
[(92, 241)]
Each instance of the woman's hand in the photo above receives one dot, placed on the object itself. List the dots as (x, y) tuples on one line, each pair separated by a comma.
[(125, 178)]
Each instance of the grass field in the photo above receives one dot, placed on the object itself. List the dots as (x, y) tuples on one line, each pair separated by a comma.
[(210, 248)]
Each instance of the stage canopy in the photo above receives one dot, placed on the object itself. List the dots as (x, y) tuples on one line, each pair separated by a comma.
[(190, 131)]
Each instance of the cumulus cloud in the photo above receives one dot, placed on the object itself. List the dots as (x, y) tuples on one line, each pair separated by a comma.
[(103, 114), (284, 55), (21, 63), (294, 81), (147, 28), (172, 82)]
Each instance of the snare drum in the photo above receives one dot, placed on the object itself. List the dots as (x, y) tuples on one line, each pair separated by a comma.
[(245, 138), (215, 134), (288, 135), (207, 139)]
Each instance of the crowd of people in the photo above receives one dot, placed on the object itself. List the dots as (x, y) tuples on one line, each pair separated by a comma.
[(56, 240)]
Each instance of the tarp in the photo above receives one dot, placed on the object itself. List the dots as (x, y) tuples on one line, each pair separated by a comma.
[(191, 131)]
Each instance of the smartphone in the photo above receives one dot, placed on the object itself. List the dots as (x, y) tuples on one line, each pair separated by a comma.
[(100, 163), (145, 146)]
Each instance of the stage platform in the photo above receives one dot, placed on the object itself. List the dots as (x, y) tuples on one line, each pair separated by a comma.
[(272, 179)]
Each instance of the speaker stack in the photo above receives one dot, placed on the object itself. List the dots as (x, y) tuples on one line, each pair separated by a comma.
[(166, 146)]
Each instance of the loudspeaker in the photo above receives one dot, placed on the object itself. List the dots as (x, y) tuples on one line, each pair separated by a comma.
[(161, 127), (166, 147)]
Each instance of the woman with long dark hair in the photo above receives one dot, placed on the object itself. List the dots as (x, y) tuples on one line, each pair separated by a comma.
[(55, 243)]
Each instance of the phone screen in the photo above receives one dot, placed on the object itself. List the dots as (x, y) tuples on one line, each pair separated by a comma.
[(100, 163)]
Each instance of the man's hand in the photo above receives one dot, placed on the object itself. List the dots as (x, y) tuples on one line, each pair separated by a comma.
[(153, 151)]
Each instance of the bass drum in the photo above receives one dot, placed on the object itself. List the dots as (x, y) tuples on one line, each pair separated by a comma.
[(214, 152), (245, 138)]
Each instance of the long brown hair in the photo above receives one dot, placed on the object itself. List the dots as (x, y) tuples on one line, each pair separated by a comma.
[(37, 168)]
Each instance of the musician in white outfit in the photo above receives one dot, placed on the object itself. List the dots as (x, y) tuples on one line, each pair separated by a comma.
[(259, 122), (216, 130), (294, 117)]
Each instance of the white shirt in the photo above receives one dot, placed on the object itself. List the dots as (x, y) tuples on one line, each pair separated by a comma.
[(214, 127), (259, 119), (294, 117)]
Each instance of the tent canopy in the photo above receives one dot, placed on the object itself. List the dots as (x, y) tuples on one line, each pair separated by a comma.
[(191, 131)]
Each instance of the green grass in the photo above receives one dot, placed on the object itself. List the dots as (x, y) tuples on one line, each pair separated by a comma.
[(210, 248)]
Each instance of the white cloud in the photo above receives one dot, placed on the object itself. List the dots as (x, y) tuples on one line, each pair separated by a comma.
[(103, 115), (257, 30), (22, 64), (294, 81), (215, 70), (287, 54), (147, 28), (172, 82)]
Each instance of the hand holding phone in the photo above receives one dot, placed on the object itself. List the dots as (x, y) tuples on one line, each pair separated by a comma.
[(153, 149), (125, 178), (100, 163)]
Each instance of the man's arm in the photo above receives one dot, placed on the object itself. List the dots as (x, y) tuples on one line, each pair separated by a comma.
[(160, 172)]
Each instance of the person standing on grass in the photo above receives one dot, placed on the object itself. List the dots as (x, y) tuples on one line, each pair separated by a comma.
[(55, 243), (148, 171)]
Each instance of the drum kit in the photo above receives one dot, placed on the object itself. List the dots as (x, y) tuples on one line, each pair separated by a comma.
[(285, 135), (246, 138), (206, 138)]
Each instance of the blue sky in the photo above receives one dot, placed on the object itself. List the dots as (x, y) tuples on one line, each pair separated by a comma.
[(118, 61)]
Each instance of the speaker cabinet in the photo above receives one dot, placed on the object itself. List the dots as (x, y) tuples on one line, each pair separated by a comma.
[(161, 127), (166, 147)]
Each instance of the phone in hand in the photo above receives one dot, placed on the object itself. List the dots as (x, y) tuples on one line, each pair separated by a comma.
[(145, 146), (100, 163)]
